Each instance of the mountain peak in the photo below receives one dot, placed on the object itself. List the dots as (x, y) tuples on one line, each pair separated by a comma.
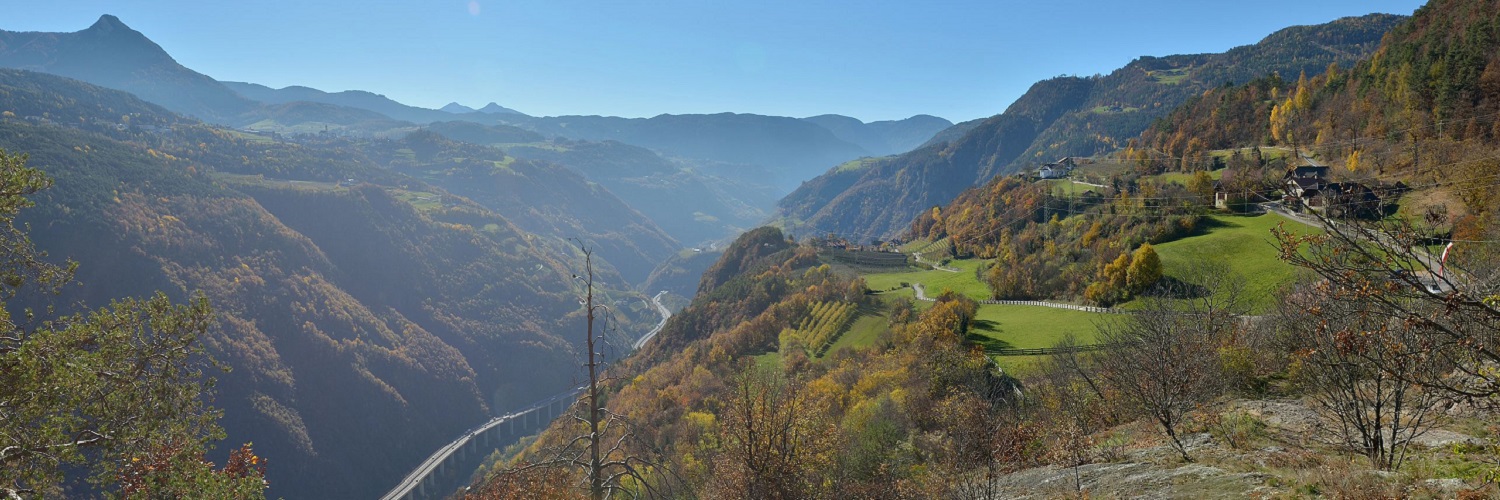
[(108, 22), (457, 108), (496, 109), (113, 32)]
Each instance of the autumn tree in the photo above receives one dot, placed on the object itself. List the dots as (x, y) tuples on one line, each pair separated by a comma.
[(1202, 186), (1164, 358), (1358, 377), (1145, 269), (771, 439), (114, 396)]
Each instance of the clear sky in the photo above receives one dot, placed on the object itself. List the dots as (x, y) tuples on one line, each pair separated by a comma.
[(871, 59)]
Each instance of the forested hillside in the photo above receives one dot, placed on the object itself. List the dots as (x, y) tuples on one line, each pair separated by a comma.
[(541, 197), (1421, 110), (1435, 78), (694, 201), (1068, 116), (893, 419), (363, 327)]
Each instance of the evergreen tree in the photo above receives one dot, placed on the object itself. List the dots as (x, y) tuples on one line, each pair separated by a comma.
[(114, 396)]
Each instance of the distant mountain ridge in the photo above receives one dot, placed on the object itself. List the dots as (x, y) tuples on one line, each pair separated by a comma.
[(882, 138), (1065, 116), (791, 149), (367, 324), (496, 109), (692, 201), (110, 54), (456, 108)]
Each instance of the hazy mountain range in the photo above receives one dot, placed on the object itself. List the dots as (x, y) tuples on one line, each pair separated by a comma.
[(111, 54), (733, 165), (389, 275), (366, 323)]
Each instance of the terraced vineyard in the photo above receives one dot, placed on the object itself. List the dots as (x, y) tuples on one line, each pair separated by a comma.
[(819, 329)]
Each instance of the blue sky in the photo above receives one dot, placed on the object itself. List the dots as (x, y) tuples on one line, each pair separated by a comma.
[(873, 60)]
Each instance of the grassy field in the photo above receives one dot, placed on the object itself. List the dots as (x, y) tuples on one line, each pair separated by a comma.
[(1069, 187), (934, 280), (422, 201), (1019, 366), (1019, 327), (1245, 244), (863, 333), (770, 361), (1183, 178), (1101, 169), (263, 181), (996, 326), (250, 137), (856, 165), (1170, 76), (1268, 152), (1105, 110)]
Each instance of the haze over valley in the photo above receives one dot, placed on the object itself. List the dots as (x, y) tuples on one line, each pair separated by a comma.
[(1257, 261)]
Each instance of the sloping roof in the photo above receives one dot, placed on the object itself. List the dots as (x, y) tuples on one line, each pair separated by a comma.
[(1309, 171), (1305, 183)]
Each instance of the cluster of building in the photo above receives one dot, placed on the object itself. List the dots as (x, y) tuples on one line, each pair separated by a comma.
[(1307, 188), (1056, 170)]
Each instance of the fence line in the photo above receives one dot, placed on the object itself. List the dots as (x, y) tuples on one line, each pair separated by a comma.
[(922, 295), (1041, 351)]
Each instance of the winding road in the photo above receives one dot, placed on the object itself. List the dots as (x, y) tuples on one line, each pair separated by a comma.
[(665, 315), (918, 256), (415, 484)]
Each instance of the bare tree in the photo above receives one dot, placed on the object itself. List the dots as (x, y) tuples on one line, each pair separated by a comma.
[(1357, 375), (986, 433), (1075, 403), (606, 453), (1448, 313), (1164, 358), (769, 439)]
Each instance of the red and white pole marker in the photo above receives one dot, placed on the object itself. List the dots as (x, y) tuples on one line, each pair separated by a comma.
[(1443, 263)]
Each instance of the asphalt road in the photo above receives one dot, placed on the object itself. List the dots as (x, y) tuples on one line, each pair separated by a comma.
[(414, 479)]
